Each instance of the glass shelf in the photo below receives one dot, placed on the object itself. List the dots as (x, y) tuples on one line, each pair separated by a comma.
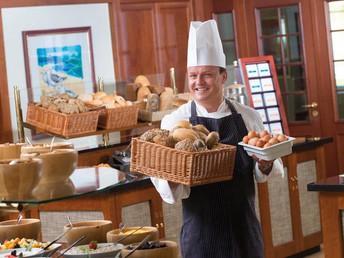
[(83, 181)]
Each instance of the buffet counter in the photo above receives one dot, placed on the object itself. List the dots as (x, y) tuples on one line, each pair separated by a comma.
[(305, 164), (331, 195)]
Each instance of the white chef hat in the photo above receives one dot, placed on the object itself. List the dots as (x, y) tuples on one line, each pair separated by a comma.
[(205, 46)]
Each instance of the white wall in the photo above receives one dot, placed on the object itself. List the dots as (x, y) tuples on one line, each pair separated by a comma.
[(16, 20)]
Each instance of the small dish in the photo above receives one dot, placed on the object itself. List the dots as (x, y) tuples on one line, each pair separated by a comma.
[(103, 250), (270, 153)]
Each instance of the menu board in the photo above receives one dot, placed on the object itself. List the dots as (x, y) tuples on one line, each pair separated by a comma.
[(259, 77)]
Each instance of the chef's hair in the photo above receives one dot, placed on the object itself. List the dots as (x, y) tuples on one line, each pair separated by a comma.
[(222, 70)]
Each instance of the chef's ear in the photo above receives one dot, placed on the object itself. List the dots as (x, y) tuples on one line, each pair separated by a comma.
[(224, 75)]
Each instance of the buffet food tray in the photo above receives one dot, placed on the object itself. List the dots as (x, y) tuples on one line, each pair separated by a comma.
[(270, 153), (178, 166)]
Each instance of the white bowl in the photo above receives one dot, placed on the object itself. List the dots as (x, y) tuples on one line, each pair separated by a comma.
[(103, 251), (34, 252)]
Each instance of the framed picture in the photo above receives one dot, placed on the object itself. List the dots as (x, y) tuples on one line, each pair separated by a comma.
[(59, 61)]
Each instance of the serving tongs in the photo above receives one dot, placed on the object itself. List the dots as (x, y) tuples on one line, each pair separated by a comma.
[(137, 246), (60, 236)]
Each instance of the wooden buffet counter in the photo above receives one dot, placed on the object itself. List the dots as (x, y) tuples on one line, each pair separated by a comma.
[(282, 204), (331, 194)]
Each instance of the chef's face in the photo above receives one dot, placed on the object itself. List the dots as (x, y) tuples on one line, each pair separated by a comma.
[(206, 82)]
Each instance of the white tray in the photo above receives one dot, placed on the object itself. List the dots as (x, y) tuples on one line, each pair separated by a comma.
[(270, 153)]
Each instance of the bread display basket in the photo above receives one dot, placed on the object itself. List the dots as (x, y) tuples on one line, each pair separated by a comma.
[(184, 167), (119, 117), (64, 124)]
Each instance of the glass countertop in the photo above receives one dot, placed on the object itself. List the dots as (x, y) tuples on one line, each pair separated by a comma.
[(83, 181)]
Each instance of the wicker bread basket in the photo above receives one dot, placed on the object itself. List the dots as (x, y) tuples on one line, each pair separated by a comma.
[(64, 124), (112, 118), (189, 168), (149, 116)]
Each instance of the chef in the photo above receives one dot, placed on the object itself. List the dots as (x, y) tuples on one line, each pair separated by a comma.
[(219, 219)]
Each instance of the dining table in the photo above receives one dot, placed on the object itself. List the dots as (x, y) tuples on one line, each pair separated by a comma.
[(331, 198)]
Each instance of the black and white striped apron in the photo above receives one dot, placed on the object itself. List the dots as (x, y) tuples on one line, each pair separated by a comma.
[(219, 219)]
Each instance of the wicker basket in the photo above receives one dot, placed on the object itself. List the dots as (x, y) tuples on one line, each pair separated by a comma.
[(149, 116), (189, 168), (63, 124), (112, 118)]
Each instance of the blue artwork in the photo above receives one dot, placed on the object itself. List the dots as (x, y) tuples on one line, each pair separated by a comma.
[(58, 64)]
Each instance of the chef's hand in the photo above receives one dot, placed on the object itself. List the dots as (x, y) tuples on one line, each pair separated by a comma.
[(264, 165)]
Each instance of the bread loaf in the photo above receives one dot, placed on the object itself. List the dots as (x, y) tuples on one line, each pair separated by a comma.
[(166, 101), (180, 134), (131, 91), (153, 102), (143, 80), (157, 89), (142, 94)]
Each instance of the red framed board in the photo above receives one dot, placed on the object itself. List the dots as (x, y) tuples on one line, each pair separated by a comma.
[(264, 95)]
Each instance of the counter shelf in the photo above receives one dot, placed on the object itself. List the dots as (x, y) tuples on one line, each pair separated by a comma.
[(83, 181)]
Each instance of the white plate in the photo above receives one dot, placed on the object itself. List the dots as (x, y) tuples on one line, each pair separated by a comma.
[(34, 252), (269, 153), (106, 253)]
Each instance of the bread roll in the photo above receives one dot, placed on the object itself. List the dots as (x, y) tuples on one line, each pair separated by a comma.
[(128, 103), (99, 95), (85, 97), (109, 99), (212, 139), (184, 124), (65, 96), (185, 145), (201, 128), (95, 102), (120, 100), (182, 133)]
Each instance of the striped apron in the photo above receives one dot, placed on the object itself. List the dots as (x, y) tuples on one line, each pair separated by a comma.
[(219, 219)]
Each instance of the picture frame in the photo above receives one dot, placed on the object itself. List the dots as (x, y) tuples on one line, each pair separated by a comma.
[(59, 61)]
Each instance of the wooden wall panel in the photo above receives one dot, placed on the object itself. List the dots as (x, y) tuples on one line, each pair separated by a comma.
[(173, 20), (138, 40)]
